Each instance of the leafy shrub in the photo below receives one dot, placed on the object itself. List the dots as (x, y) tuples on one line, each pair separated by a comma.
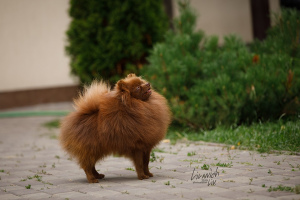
[(207, 85), (107, 39)]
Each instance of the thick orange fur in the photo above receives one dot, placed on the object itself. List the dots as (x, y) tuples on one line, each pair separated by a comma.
[(129, 121)]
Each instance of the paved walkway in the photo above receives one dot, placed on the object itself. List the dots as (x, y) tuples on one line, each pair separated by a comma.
[(32, 166)]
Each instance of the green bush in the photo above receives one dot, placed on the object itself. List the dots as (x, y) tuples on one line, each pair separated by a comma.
[(108, 39), (208, 85)]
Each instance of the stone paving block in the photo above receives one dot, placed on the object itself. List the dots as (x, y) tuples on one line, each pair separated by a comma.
[(175, 190), (85, 197), (11, 187), (132, 182), (23, 192), (124, 196), (40, 195), (9, 181), (27, 182), (56, 180), (176, 198), (274, 193), (157, 196), (9, 196), (87, 189), (260, 182), (57, 190), (217, 198), (248, 188), (138, 191), (70, 195), (276, 178), (181, 192), (194, 186), (195, 195), (234, 195), (2, 192), (121, 187), (258, 197), (292, 180), (289, 197), (229, 184), (104, 193), (241, 179), (155, 186)]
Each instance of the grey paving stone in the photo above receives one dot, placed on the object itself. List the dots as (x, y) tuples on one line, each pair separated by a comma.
[(23, 192), (9, 196), (289, 197), (218, 198), (104, 193), (57, 190), (39, 195), (11, 187), (70, 195), (157, 196)]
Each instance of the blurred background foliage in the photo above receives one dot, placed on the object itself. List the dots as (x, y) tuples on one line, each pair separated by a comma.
[(109, 39), (234, 84)]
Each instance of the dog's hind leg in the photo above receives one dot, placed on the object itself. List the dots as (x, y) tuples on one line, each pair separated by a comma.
[(146, 158), (139, 164), (89, 175), (89, 169), (96, 174)]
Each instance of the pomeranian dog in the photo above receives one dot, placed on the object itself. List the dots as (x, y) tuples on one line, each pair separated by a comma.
[(128, 121)]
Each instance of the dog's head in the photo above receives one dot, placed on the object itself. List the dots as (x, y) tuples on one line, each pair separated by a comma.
[(133, 87)]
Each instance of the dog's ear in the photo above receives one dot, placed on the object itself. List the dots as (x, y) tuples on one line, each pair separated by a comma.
[(122, 86), (131, 75), (123, 92)]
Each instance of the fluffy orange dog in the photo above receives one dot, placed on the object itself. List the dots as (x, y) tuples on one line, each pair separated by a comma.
[(129, 121)]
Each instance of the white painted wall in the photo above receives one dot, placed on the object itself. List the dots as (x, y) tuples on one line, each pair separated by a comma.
[(32, 40), (224, 17)]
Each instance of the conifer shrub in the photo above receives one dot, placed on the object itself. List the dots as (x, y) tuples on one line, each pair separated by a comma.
[(109, 39), (208, 85)]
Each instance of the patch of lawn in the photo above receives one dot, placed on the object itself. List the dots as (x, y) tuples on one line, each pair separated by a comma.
[(224, 164), (205, 167), (191, 153), (159, 150), (52, 124), (281, 188), (130, 169), (263, 137)]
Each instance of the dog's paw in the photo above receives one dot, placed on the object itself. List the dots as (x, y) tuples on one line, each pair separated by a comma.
[(141, 177), (150, 174), (99, 176), (93, 180)]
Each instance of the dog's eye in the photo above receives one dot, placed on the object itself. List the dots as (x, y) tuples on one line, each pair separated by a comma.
[(138, 88)]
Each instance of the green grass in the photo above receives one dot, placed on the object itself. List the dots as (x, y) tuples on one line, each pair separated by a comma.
[(205, 167), (159, 150), (224, 164), (152, 156), (263, 137), (28, 186), (192, 161), (52, 124), (130, 169), (281, 188), (191, 153), (167, 183)]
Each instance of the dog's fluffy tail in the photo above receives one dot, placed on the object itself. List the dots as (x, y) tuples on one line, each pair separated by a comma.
[(89, 100)]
